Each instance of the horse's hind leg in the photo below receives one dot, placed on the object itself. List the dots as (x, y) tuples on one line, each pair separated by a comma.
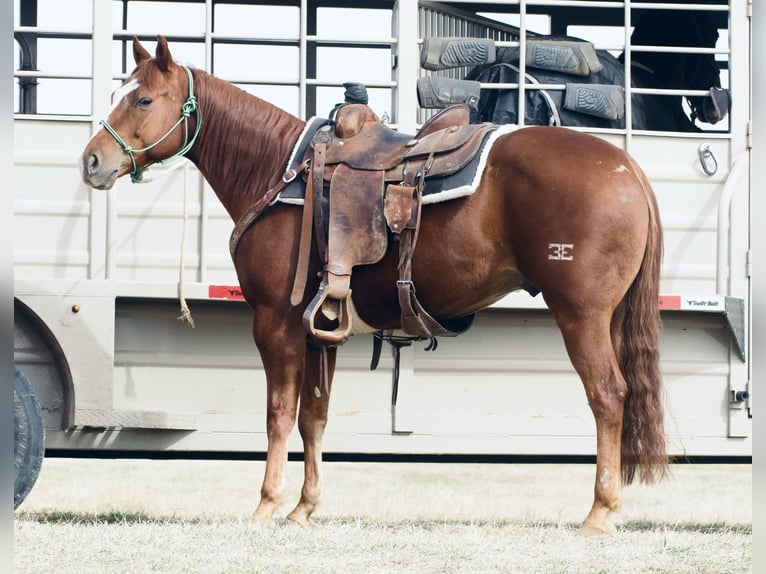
[(589, 345), (312, 419)]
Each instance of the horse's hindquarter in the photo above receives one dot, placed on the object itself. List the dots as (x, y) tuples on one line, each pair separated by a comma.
[(575, 211)]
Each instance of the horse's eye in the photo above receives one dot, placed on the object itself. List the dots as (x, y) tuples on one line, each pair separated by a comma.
[(144, 102)]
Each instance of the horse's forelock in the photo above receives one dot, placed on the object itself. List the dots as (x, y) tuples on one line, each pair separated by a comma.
[(150, 73), (147, 73)]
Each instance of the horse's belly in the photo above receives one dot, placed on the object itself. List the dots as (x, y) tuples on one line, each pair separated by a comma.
[(455, 292), (473, 297)]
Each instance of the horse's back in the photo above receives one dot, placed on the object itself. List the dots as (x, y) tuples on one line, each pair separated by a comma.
[(558, 172), (564, 146)]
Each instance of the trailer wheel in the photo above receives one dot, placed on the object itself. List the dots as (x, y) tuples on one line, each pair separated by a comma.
[(28, 438)]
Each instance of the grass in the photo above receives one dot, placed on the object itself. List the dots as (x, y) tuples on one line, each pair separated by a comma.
[(193, 516)]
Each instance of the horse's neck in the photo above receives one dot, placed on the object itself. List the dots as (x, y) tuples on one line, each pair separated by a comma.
[(244, 142)]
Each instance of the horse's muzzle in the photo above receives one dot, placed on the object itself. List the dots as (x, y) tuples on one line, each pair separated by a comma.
[(95, 173), (716, 106)]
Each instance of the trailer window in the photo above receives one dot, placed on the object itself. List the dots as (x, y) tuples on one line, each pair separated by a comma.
[(672, 73), (171, 18), (53, 56), (60, 13), (300, 60), (248, 20), (536, 23)]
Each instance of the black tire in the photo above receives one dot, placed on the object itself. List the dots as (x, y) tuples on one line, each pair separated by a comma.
[(28, 438)]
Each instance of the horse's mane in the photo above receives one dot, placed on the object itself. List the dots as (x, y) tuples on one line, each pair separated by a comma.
[(245, 141)]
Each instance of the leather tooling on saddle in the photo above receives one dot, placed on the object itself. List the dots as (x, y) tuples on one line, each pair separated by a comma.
[(366, 181)]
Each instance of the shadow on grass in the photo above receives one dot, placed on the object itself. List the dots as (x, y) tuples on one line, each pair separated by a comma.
[(88, 519), (698, 527), (627, 526), (117, 517)]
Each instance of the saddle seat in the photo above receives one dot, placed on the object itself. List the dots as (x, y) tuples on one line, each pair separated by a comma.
[(373, 178), (457, 115), (359, 140)]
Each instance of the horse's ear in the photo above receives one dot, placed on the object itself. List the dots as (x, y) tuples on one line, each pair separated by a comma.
[(139, 52), (162, 55)]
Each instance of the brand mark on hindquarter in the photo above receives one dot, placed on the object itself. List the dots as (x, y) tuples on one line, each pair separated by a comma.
[(560, 251)]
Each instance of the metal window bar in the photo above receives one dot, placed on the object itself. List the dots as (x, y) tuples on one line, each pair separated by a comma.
[(304, 41), (443, 20), (437, 19)]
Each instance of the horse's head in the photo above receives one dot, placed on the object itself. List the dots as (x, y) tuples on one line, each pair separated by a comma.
[(683, 71), (148, 123)]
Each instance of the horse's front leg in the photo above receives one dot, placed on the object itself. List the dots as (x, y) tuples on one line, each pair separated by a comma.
[(283, 354), (312, 419)]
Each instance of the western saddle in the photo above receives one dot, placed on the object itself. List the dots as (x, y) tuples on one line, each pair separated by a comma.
[(373, 178)]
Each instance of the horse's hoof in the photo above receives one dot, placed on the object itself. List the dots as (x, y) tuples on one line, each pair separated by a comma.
[(301, 516), (589, 529), (300, 519), (262, 520)]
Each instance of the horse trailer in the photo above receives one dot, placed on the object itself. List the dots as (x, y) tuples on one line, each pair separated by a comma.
[(104, 366)]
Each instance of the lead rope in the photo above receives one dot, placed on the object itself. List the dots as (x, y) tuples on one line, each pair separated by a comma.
[(190, 106), (186, 315)]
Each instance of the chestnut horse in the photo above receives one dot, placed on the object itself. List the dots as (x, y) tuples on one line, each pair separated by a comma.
[(541, 188)]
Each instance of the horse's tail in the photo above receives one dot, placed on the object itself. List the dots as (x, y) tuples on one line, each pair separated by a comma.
[(643, 436)]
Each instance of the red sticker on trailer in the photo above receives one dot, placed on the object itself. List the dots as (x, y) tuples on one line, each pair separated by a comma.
[(670, 301), (224, 292)]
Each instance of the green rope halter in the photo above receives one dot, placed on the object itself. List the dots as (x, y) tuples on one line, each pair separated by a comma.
[(187, 108)]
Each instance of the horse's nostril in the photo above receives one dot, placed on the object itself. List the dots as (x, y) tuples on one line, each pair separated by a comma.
[(92, 163)]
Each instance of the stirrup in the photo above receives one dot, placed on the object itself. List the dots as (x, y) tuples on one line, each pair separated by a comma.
[(338, 335)]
